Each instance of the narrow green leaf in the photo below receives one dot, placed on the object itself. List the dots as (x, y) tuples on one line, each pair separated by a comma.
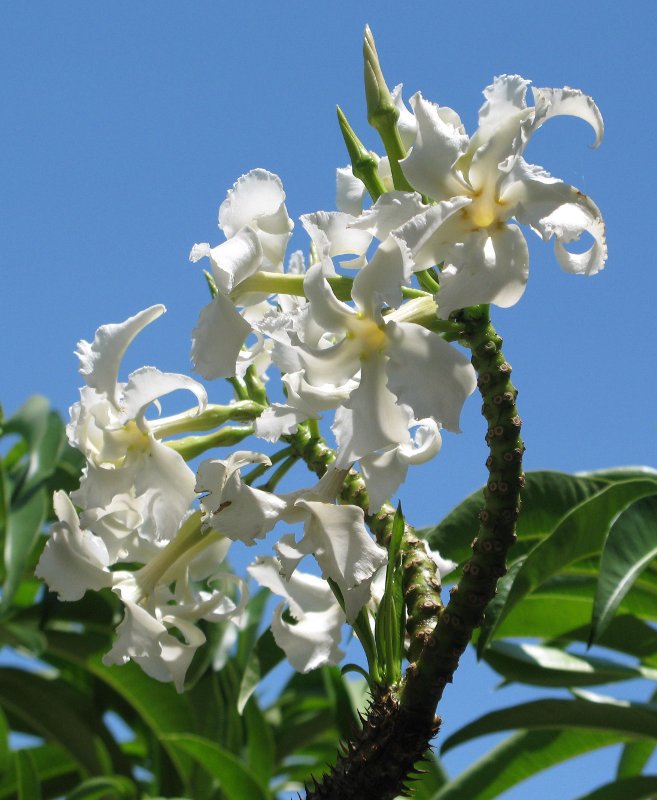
[(107, 787), (640, 787), (634, 757), (4, 742), (341, 699), (631, 720), (234, 777), (520, 757), (27, 777), (630, 547), (23, 528), (53, 765), (264, 657), (260, 743), (252, 623), (581, 533), (549, 666)]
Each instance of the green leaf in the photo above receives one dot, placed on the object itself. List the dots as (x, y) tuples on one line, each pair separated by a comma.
[(631, 720), (581, 533), (629, 549), (55, 768), (340, 698), (107, 787), (640, 787), (45, 435), (634, 757), (549, 666), (520, 757), (52, 709), (234, 777), (4, 742), (264, 657), (260, 742), (546, 499), (23, 527), (27, 777)]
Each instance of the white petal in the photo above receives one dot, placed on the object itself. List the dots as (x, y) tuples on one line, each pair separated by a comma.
[(379, 282), (384, 473), (490, 269), (290, 554), (439, 143), (371, 419), (432, 233), (332, 235), (313, 641), (571, 102), (163, 477), (429, 375), (257, 200), (329, 312), (147, 384), (349, 191), (101, 359), (554, 208), (342, 546), (505, 98), (235, 259), (73, 560), (218, 338), (406, 124), (233, 507), (426, 443), (304, 593), (390, 211)]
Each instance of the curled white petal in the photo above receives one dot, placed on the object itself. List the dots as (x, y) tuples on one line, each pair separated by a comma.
[(73, 560), (218, 338), (100, 359)]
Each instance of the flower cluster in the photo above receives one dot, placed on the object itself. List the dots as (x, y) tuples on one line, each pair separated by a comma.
[(358, 334)]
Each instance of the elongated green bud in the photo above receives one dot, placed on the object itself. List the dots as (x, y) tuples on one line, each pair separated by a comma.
[(382, 113), (363, 163), (381, 109)]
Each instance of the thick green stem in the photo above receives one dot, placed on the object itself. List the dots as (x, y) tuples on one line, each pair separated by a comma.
[(401, 722)]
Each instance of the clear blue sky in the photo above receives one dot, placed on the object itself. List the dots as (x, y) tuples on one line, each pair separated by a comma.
[(125, 123)]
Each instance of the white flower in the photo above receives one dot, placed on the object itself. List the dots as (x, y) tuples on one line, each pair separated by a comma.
[(314, 639), (481, 184), (109, 426), (402, 365), (257, 227)]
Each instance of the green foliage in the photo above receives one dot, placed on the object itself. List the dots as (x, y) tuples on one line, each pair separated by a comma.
[(583, 572)]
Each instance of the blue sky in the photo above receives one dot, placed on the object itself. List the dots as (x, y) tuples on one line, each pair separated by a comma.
[(125, 124)]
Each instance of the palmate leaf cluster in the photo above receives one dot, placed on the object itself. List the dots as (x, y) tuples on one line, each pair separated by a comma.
[(582, 573)]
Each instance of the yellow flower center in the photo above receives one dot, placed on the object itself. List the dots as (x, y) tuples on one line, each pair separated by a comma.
[(370, 336)]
